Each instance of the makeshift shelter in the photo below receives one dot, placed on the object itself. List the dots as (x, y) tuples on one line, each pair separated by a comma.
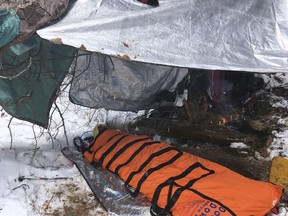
[(213, 35), (129, 52)]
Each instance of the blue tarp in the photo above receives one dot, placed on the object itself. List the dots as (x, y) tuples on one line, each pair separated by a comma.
[(30, 77), (9, 26)]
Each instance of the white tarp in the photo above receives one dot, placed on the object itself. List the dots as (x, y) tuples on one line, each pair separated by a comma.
[(243, 35)]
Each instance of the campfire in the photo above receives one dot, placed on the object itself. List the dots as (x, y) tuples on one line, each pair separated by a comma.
[(236, 110)]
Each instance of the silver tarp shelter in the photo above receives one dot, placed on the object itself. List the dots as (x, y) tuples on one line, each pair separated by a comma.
[(242, 35)]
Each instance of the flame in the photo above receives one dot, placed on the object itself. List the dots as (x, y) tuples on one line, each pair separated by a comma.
[(222, 121)]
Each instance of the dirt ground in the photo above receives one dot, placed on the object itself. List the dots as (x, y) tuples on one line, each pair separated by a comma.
[(241, 161), (70, 198)]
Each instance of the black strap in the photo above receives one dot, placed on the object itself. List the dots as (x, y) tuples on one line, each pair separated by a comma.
[(113, 136), (134, 155), (95, 152), (188, 186), (95, 139), (157, 211), (104, 155), (151, 157), (171, 182), (212, 200), (151, 170), (179, 191), (123, 149)]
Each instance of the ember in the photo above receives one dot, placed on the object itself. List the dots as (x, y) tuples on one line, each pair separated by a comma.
[(222, 121)]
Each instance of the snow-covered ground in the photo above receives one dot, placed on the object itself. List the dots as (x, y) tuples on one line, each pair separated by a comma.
[(36, 179)]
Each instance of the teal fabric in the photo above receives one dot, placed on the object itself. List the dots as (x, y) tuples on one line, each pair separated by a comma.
[(33, 72), (9, 26)]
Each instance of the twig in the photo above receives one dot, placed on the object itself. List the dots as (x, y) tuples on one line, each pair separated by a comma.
[(52, 139), (11, 136), (63, 122), (48, 203), (36, 144), (91, 117), (22, 185), (19, 74), (22, 178), (34, 153)]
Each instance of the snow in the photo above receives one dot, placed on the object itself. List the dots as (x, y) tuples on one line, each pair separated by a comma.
[(239, 145), (279, 102), (279, 145), (275, 80), (41, 158)]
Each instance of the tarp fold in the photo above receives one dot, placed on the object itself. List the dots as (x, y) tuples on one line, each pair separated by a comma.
[(235, 35)]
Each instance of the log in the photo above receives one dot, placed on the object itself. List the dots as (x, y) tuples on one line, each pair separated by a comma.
[(205, 132)]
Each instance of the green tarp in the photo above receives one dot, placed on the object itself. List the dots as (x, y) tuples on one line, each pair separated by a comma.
[(31, 74), (9, 26)]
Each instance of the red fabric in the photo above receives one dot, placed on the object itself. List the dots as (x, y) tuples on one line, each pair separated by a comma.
[(216, 83)]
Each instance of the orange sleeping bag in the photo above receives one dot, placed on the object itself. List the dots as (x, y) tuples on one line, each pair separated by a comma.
[(177, 182)]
